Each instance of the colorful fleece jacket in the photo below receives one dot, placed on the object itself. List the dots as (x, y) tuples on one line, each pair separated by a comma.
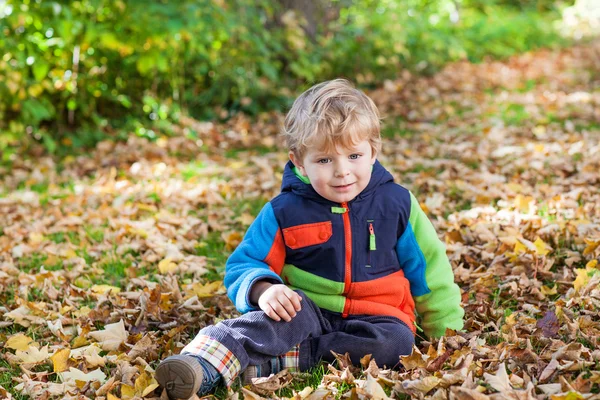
[(377, 254)]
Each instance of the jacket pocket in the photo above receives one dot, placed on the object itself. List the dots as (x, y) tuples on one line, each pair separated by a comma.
[(380, 236), (306, 235)]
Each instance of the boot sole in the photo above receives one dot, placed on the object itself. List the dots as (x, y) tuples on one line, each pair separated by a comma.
[(180, 375)]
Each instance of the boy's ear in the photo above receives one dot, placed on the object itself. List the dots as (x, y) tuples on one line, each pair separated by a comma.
[(297, 162), (373, 156)]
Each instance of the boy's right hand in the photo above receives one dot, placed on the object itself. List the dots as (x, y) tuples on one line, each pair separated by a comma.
[(279, 302)]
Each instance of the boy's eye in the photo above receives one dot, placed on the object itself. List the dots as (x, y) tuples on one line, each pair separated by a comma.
[(354, 156), (323, 161)]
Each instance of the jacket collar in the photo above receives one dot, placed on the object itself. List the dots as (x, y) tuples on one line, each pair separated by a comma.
[(292, 183)]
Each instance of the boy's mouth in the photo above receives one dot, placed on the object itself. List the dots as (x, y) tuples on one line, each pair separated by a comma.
[(342, 187)]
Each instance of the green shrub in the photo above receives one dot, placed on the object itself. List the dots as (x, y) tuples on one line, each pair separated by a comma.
[(106, 66)]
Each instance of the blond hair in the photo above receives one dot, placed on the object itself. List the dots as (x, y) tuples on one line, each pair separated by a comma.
[(331, 114)]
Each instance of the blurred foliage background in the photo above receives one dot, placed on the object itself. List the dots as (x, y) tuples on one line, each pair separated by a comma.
[(73, 73)]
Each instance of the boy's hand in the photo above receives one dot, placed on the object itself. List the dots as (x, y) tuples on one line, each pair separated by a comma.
[(279, 302)]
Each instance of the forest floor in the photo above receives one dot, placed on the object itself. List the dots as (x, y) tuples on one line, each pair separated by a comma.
[(113, 260)]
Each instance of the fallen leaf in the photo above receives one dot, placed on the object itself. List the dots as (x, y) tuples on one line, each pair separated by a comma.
[(111, 337), (272, 383), (373, 389), (77, 375), (549, 325), (33, 355), (19, 342), (145, 384), (167, 266), (207, 290), (104, 289), (60, 360)]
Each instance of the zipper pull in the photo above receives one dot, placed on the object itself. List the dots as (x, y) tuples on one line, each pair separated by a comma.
[(338, 210), (372, 245)]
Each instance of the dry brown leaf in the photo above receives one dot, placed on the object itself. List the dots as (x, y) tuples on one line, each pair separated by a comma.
[(272, 383), (111, 337)]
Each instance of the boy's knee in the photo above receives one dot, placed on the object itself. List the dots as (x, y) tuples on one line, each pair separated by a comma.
[(399, 343)]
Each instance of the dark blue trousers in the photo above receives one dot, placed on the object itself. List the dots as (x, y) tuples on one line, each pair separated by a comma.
[(254, 338)]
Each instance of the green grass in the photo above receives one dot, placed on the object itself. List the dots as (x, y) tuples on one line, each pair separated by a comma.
[(514, 114), (255, 150), (94, 234), (32, 262), (396, 127), (114, 267), (7, 372)]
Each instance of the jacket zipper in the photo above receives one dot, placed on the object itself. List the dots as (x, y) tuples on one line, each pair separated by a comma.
[(348, 242)]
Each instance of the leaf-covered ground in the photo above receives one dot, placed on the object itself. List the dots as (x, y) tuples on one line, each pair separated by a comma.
[(111, 261)]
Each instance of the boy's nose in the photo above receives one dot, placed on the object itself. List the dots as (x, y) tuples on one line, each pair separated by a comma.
[(341, 171)]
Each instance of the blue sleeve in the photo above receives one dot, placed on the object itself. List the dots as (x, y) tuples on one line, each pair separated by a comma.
[(247, 265), (423, 258)]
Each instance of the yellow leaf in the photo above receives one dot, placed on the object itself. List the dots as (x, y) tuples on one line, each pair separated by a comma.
[(19, 342), (232, 240), (138, 231), (548, 291), (568, 396), (79, 342), (70, 253), (35, 238), (60, 359), (207, 290), (166, 266), (582, 279), (110, 396), (591, 264), (104, 289), (145, 384), (145, 207), (529, 246), (522, 203), (520, 248), (541, 247), (127, 392), (511, 320), (246, 219), (591, 246)]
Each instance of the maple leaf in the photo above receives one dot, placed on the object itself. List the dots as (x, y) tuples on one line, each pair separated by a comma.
[(143, 347), (75, 374), (111, 337), (373, 389), (104, 289), (549, 324), (167, 265), (500, 381), (33, 355), (19, 342), (207, 290), (415, 360), (272, 383), (60, 360), (145, 384)]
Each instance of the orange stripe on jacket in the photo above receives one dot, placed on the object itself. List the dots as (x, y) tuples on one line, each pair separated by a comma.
[(389, 295), (276, 257)]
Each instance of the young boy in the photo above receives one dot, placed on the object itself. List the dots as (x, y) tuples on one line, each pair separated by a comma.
[(337, 261)]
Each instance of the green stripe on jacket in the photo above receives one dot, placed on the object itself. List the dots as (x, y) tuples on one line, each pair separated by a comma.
[(325, 293)]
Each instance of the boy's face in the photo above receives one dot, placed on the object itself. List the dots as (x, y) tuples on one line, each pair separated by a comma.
[(338, 176)]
